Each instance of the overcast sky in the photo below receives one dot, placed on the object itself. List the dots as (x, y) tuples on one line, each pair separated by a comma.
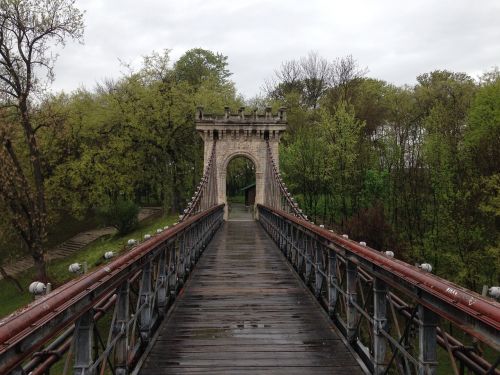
[(396, 40)]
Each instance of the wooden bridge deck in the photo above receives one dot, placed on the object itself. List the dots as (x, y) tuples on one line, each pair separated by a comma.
[(244, 312)]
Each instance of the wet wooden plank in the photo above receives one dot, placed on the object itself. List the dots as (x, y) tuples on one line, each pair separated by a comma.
[(244, 312)]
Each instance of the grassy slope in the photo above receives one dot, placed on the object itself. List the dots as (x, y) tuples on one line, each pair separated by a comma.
[(11, 299), (59, 232)]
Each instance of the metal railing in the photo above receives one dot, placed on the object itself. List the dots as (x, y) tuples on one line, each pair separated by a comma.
[(138, 288), (387, 310), (276, 192), (205, 195)]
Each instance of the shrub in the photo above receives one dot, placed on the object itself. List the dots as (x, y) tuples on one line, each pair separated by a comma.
[(122, 215)]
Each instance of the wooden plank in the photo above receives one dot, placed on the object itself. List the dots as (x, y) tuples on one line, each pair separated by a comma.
[(244, 312)]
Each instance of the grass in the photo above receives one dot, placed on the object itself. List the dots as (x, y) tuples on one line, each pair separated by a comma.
[(57, 269)]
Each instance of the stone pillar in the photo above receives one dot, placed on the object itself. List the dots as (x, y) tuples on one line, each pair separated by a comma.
[(241, 136)]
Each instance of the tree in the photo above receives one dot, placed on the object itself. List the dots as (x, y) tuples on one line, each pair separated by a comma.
[(342, 132), (133, 139), (309, 77), (482, 135), (198, 65), (345, 75), (28, 29)]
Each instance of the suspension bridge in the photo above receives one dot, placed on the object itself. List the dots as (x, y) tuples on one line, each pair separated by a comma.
[(270, 292)]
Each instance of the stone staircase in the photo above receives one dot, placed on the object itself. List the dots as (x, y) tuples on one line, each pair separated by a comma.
[(74, 243)]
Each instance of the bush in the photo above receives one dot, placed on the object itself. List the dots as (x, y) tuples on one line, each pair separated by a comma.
[(122, 215)]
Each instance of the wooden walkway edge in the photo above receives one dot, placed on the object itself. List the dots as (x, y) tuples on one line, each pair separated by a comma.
[(244, 312)]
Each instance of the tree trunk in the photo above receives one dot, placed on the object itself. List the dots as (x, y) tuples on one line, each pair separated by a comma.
[(12, 279), (40, 268), (39, 213)]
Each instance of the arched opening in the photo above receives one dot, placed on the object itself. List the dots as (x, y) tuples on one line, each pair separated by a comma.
[(240, 188)]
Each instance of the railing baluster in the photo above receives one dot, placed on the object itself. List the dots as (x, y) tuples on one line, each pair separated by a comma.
[(427, 341), (83, 343), (318, 277), (332, 275), (308, 259), (182, 259), (352, 313), (379, 323), (146, 314), (162, 291), (173, 268), (121, 327)]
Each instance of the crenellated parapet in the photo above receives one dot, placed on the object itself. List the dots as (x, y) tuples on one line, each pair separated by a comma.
[(241, 124)]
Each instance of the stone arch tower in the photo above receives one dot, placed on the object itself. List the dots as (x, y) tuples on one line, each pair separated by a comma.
[(241, 134)]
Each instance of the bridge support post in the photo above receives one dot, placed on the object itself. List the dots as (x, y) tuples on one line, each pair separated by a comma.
[(162, 290), (146, 315), (121, 327), (318, 276), (427, 340), (83, 339), (352, 314), (182, 259), (379, 323), (189, 250), (332, 281), (308, 259)]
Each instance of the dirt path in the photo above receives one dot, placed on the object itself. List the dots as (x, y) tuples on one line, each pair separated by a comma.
[(72, 245)]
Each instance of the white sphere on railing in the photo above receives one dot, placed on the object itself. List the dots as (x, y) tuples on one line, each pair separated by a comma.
[(330, 230), (131, 242), (175, 224), (362, 243), (321, 226), (165, 227), (345, 236), (147, 236), (425, 267), (37, 288), (389, 253), (109, 255), (159, 230), (75, 267), (494, 291)]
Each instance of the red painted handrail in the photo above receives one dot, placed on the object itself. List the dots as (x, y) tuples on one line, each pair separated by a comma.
[(18, 325), (478, 307)]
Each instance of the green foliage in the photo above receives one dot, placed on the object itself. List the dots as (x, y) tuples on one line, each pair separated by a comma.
[(483, 130), (240, 173), (122, 215), (199, 65), (133, 138), (411, 169)]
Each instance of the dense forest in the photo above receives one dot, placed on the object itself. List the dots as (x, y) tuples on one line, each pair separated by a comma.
[(414, 169)]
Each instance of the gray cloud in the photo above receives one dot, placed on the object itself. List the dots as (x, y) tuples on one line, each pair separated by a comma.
[(396, 40)]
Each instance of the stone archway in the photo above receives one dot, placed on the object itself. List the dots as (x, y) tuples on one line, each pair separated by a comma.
[(240, 135), (225, 159)]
